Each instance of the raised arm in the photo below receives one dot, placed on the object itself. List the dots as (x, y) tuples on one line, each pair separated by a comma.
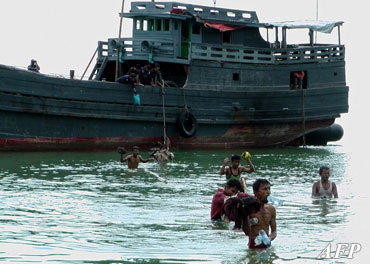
[(251, 167), (145, 160), (223, 167), (126, 158)]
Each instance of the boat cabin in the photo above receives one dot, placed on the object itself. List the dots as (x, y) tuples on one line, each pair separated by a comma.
[(178, 35)]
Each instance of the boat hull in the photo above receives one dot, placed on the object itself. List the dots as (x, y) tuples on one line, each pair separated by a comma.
[(39, 112)]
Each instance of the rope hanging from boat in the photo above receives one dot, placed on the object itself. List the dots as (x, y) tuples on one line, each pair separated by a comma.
[(183, 91), (303, 118), (164, 114)]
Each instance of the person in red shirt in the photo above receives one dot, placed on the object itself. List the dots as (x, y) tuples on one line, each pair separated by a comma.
[(231, 190)]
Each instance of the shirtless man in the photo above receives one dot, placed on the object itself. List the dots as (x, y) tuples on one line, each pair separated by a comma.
[(234, 171), (324, 188), (133, 159), (264, 219)]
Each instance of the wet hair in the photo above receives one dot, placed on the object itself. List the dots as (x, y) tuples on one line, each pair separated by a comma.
[(323, 168), (138, 66), (156, 65), (234, 183), (135, 147), (250, 205), (256, 185), (235, 157)]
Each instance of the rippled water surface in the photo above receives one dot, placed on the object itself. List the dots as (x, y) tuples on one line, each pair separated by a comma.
[(64, 207)]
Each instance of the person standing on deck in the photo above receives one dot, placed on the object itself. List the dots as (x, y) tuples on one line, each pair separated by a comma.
[(133, 159), (324, 188), (234, 171), (259, 223), (156, 76), (33, 66)]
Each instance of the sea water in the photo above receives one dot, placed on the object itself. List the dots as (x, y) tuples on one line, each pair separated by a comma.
[(71, 207)]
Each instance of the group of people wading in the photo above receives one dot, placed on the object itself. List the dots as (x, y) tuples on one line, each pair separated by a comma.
[(253, 214)]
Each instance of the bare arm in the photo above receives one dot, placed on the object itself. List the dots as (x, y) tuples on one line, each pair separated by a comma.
[(223, 169), (246, 226), (314, 189), (251, 167), (145, 160), (335, 191), (126, 158), (273, 233)]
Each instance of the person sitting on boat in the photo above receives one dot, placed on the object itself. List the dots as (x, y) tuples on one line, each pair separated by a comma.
[(127, 79), (324, 188), (232, 189), (144, 75), (234, 171), (156, 76), (161, 153), (135, 71), (133, 159), (259, 224), (33, 66)]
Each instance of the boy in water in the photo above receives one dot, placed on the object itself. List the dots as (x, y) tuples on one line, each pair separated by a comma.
[(234, 171), (133, 159)]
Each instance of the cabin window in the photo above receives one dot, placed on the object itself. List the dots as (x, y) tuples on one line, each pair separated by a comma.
[(226, 37), (235, 76), (158, 26), (196, 29), (230, 14), (166, 25), (176, 25), (144, 26), (138, 24), (150, 24)]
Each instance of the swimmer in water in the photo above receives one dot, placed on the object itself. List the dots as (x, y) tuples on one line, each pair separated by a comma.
[(133, 159)]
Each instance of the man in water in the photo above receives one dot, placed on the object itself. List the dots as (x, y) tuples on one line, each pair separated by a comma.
[(234, 171), (232, 188), (324, 188), (133, 159), (264, 219)]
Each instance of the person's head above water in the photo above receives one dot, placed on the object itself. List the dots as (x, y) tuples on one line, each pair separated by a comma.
[(135, 150), (232, 187), (235, 161), (324, 172), (261, 189)]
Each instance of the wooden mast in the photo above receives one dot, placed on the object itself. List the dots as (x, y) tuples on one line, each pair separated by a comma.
[(119, 39)]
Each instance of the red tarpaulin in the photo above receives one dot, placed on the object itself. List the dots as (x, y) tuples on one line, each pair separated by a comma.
[(221, 27)]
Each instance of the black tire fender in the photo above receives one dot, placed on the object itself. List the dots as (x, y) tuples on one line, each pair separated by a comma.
[(186, 124)]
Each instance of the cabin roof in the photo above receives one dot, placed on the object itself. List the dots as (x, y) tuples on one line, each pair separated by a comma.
[(316, 25), (215, 15), (185, 11)]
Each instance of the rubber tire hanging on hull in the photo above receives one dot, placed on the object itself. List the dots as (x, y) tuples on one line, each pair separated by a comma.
[(186, 124)]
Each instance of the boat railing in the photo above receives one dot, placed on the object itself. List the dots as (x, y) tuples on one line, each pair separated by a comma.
[(162, 50), (291, 54), (165, 49)]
